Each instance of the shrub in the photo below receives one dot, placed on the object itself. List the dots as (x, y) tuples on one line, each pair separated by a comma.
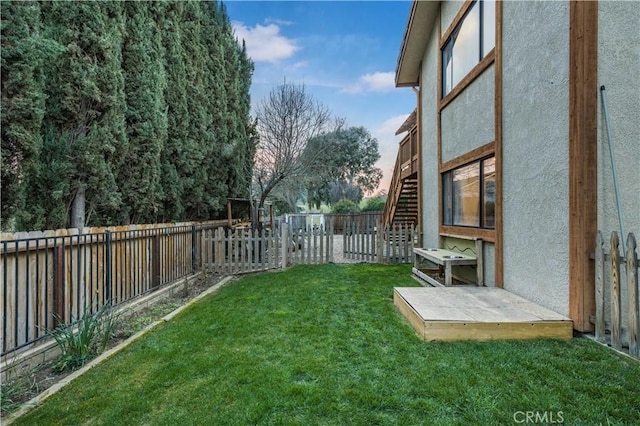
[(84, 338), (344, 206), (374, 204)]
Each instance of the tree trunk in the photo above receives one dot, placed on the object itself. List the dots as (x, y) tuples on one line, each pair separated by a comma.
[(78, 208)]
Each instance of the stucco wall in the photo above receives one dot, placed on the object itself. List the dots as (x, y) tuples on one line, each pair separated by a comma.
[(457, 139), (468, 122), (448, 11), (429, 161), (619, 71), (535, 151)]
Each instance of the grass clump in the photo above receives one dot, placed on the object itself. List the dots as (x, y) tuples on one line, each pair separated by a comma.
[(84, 338), (13, 389), (324, 345)]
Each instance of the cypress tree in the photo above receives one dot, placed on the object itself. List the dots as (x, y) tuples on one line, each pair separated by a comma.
[(23, 103), (199, 137), (122, 112), (219, 143), (146, 118), (86, 105), (244, 130), (177, 149)]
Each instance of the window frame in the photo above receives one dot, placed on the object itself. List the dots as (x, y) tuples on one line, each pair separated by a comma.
[(447, 183), (447, 44)]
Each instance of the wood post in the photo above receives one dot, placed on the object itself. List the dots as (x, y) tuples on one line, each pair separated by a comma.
[(194, 250), (600, 324), (155, 261), (480, 264), (379, 240), (583, 159), (58, 284), (108, 256), (332, 228)]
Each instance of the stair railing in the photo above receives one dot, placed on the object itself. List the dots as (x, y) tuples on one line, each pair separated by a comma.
[(406, 165)]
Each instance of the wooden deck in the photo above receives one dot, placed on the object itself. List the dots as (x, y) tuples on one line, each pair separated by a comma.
[(477, 313)]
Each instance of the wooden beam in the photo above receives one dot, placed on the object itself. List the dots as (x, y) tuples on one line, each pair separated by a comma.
[(583, 159), (498, 234), (419, 162), (455, 330), (453, 24), (488, 235), (473, 155), (475, 72), (439, 119)]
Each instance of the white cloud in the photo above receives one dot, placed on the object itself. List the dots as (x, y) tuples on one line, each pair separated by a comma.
[(280, 22), (379, 81), (375, 82), (264, 42)]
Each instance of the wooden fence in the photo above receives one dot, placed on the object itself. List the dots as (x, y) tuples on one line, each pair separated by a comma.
[(365, 242), (56, 277), (229, 251), (340, 220), (343, 220), (611, 325)]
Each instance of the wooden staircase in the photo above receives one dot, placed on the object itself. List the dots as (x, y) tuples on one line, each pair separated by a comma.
[(403, 197)]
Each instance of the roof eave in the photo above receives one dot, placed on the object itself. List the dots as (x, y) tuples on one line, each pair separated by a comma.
[(419, 28)]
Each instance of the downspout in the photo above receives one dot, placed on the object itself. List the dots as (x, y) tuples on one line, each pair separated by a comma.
[(416, 90)]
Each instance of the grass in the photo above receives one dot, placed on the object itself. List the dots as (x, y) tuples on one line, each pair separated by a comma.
[(324, 345)]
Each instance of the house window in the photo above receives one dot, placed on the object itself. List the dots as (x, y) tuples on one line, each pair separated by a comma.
[(468, 195), (469, 42)]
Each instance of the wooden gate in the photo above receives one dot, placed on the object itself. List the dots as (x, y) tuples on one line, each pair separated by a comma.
[(359, 237), (364, 239)]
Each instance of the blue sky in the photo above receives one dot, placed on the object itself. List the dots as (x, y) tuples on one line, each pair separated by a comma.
[(345, 52)]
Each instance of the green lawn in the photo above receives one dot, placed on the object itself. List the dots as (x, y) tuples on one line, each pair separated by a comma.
[(324, 345)]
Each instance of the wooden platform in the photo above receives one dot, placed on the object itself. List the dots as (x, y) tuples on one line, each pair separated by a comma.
[(477, 313)]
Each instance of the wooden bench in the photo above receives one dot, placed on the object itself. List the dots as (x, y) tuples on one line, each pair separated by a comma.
[(446, 259)]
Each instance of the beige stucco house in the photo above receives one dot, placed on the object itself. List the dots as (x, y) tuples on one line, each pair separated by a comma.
[(512, 137)]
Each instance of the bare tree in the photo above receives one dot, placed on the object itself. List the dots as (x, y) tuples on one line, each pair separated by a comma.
[(286, 120)]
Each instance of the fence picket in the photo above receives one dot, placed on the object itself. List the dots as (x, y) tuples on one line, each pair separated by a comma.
[(322, 232), (345, 239), (307, 240), (244, 249), (615, 293), (284, 242), (233, 255), (632, 291)]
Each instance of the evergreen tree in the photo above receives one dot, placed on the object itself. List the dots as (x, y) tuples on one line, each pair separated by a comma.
[(86, 105), (146, 118), (173, 161), (23, 104), (122, 112), (216, 143)]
